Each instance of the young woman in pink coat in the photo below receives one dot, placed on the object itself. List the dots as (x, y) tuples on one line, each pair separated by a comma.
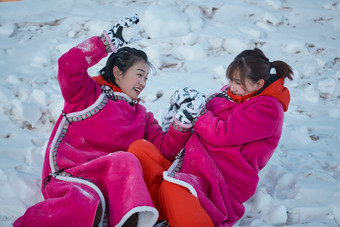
[(89, 178), (233, 139)]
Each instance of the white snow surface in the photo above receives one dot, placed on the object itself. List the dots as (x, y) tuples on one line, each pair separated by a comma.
[(190, 43)]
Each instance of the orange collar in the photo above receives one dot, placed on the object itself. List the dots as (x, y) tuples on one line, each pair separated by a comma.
[(275, 88), (100, 80), (238, 98)]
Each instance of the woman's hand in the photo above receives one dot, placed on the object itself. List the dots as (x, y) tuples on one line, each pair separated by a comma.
[(190, 102), (117, 36)]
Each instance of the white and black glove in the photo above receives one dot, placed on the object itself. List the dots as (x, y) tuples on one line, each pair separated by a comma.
[(168, 117), (121, 34), (179, 97), (190, 103)]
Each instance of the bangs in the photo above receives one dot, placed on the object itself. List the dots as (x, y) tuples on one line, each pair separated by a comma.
[(238, 67)]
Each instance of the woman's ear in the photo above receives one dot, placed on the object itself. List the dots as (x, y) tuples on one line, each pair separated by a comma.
[(116, 72), (260, 83)]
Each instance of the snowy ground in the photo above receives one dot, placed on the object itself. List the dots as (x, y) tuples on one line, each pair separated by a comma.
[(190, 42)]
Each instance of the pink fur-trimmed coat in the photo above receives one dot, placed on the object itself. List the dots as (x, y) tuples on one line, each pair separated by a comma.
[(86, 163), (231, 144)]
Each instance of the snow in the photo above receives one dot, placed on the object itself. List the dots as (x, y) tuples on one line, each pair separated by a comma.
[(190, 43)]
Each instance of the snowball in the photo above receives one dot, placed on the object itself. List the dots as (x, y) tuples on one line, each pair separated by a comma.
[(161, 22), (31, 113), (310, 94), (234, 46), (191, 52), (276, 215), (39, 97), (261, 201), (26, 111), (7, 28)]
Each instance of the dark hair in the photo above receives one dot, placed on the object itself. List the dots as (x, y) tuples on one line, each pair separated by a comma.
[(123, 59), (254, 65)]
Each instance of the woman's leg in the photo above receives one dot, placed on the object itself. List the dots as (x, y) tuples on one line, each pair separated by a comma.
[(69, 204), (119, 177), (153, 165), (174, 203), (181, 207)]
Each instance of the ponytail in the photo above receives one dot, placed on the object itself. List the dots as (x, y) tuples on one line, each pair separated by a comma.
[(283, 69)]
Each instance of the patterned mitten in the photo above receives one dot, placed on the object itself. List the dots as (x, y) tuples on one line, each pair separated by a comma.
[(191, 104), (168, 117), (115, 37), (181, 96)]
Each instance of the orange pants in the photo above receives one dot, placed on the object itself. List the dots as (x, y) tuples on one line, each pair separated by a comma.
[(173, 202)]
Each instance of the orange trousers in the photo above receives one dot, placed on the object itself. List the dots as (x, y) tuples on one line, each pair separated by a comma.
[(173, 202)]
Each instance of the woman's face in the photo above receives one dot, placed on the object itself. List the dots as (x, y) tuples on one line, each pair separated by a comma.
[(133, 81), (237, 88)]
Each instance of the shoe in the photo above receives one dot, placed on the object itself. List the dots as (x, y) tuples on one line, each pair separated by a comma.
[(162, 224)]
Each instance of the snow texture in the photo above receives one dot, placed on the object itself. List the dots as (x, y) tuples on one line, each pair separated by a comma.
[(190, 43)]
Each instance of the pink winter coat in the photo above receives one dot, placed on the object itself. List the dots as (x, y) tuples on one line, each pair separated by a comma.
[(86, 151), (231, 143)]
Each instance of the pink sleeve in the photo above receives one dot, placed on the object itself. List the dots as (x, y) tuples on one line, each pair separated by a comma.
[(77, 87), (256, 121), (169, 143)]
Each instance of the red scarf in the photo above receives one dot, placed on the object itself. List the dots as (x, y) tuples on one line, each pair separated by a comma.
[(275, 89)]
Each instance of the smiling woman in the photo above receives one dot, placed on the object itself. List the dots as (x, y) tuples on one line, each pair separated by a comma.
[(134, 80), (126, 71), (86, 160)]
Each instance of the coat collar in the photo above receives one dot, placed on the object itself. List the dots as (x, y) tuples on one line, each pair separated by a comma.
[(112, 91), (273, 87)]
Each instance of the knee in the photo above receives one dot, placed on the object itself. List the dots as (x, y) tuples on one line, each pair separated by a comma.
[(142, 147)]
